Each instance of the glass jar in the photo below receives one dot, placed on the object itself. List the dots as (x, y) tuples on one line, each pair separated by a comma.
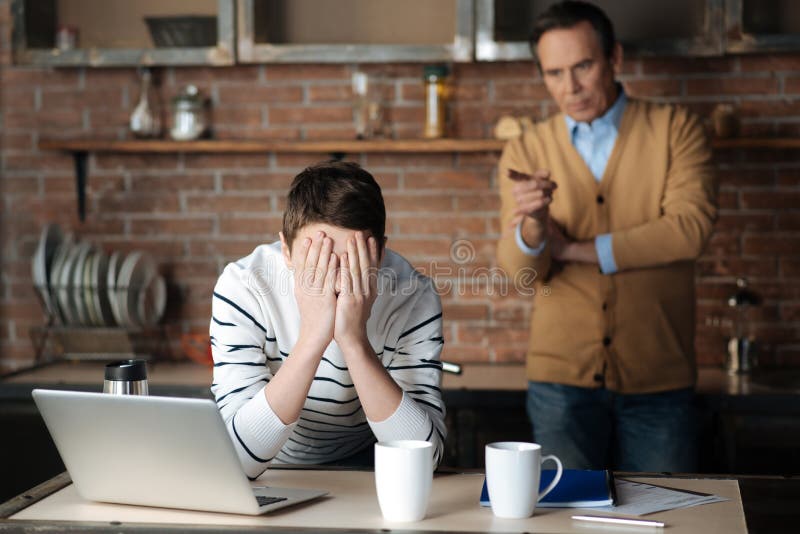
[(435, 101), (188, 115)]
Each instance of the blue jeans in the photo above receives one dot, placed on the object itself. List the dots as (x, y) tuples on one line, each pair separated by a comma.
[(599, 429)]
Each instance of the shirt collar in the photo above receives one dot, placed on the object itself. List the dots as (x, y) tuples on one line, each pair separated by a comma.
[(611, 118)]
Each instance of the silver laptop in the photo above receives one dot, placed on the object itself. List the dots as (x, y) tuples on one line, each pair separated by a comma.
[(154, 451)]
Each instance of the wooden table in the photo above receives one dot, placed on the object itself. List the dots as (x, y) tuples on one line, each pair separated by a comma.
[(352, 505)]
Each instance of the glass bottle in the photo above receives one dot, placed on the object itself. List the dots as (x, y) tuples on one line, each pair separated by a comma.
[(435, 101), (144, 121)]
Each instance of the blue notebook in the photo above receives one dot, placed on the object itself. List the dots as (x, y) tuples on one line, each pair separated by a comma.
[(577, 489)]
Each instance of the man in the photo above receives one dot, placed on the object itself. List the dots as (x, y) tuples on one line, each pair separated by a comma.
[(609, 202), (325, 341)]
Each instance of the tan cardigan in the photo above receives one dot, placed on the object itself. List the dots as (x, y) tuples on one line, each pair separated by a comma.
[(632, 331)]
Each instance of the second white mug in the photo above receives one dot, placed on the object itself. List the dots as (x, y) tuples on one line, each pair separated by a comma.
[(513, 471)]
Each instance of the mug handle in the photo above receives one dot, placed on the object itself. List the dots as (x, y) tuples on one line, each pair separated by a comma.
[(559, 472)]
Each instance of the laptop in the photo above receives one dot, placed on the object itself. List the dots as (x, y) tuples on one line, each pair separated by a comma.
[(168, 452)]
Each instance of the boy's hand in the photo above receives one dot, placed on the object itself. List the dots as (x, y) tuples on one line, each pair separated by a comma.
[(315, 293), (358, 279)]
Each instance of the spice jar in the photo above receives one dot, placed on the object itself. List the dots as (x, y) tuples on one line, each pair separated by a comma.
[(435, 100), (188, 115)]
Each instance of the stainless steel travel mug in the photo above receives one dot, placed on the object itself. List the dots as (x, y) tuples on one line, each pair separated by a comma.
[(126, 377)]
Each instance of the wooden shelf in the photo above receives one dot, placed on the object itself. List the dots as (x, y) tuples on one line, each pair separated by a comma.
[(249, 147), (80, 149)]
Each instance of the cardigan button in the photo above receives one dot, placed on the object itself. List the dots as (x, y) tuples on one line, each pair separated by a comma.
[(598, 377), (605, 306), (600, 199), (606, 341)]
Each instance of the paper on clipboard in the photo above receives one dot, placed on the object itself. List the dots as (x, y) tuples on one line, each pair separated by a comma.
[(639, 498)]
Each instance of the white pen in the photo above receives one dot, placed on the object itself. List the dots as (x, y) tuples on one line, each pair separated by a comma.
[(618, 521)]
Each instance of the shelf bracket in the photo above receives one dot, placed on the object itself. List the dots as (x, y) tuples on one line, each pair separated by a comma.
[(80, 158)]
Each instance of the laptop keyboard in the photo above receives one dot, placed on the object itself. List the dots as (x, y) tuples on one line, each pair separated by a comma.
[(263, 500)]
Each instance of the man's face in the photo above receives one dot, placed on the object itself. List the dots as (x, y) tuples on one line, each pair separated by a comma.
[(338, 234), (576, 72)]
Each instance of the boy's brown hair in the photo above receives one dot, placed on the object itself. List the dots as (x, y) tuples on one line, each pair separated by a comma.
[(339, 193)]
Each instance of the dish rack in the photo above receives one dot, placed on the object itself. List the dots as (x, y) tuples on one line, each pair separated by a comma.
[(55, 342)]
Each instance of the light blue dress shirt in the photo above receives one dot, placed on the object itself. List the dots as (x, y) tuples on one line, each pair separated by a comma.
[(594, 142)]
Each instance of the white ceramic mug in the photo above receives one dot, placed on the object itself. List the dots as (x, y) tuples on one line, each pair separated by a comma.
[(513, 470), (403, 478)]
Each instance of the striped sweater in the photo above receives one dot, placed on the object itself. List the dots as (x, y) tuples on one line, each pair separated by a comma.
[(254, 326)]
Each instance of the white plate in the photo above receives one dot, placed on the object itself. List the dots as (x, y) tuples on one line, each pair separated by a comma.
[(49, 242), (81, 315), (100, 289), (65, 285), (124, 285), (55, 275), (114, 264), (152, 300), (92, 317)]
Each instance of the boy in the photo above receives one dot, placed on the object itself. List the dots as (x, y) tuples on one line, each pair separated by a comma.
[(325, 341)]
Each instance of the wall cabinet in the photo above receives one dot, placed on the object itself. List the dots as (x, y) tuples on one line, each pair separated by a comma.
[(112, 33), (155, 32)]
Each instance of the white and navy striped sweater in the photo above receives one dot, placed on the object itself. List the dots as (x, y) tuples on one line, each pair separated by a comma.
[(254, 326)]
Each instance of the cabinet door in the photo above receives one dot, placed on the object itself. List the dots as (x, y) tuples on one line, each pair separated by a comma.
[(340, 31), (762, 25), (123, 32), (644, 27)]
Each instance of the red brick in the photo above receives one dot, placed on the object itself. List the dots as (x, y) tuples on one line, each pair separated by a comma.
[(723, 243), (114, 119), (260, 226), (446, 180), (458, 311), (514, 90), (330, 93), (525, 71), (299, 161), (770, 199), (257, 182), (791, 85), (653, 88), (172, 226), (408, 160), (305, 114), (464, 353), (205, 75), (50, 161), (95, 98), (470, 92), (228, 203), (313, 133), (248, 94), (745, 177), (23, 185), (22, 142), (686, 65), (790, 267), (790, 312), (478, 203), (731, 86), (185, 269), (789, 221), (307, 72), (743, 221), (222, 161), (732, 266), (789, 177), (55, 120), (415, 114), (434, 225), (769, 108), (138, 203), (135, 161), (400, 203), (163, 250), (232, 131), (105, 77), (230, 247), (771, 244), (38, 76), (412, 91), (770, 63), (511, 355), (728, 199), (171, 183), (422, 248), (493, 336), (239, 117)]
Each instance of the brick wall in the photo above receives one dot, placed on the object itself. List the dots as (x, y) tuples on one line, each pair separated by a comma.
[(197, 212)]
